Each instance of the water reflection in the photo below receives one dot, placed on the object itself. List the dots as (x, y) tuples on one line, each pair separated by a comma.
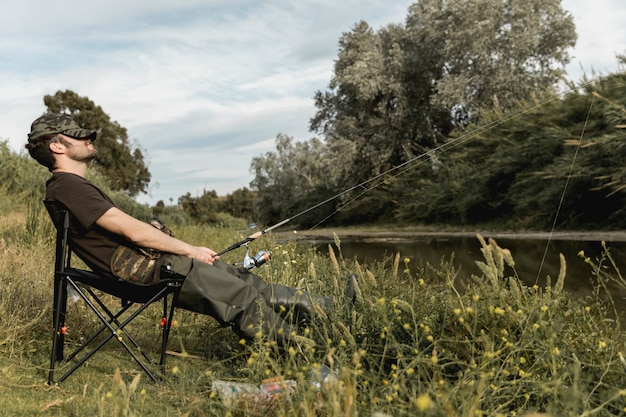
[(527, 253)]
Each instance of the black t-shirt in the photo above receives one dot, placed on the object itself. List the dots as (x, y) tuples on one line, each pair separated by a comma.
[(86, 204)]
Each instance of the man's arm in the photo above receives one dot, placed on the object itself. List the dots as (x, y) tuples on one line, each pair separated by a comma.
[(142, 234)]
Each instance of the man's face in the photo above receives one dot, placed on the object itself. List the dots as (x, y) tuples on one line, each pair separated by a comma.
[(81, 150)]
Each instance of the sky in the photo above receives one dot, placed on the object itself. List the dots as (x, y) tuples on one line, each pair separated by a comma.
[(203, 86)]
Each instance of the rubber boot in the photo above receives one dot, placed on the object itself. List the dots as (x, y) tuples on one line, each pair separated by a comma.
[(297, 305)]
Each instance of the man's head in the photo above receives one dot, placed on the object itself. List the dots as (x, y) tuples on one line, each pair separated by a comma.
[(50, 128)]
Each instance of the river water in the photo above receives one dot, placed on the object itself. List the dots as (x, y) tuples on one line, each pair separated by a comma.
[(527, 254)]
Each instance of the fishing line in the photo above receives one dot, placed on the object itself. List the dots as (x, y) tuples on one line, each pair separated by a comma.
[(407, 165), (567, 179)]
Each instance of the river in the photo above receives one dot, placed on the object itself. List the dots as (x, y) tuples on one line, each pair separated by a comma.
[(528, 254)]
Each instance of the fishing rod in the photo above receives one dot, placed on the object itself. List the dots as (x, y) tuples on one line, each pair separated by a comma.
[(441, 148)]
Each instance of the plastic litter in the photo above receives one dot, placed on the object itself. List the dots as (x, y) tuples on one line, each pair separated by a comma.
[(259, 398), (321, 376)]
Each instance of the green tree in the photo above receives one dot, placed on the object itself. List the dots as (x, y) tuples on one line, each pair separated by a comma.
[(560, 156), (118, 159), (240, 203), (492, 52), (284, 179), (400, 91), (201, 209)]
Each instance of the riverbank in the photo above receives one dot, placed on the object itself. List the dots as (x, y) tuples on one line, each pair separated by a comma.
[(410, 233)]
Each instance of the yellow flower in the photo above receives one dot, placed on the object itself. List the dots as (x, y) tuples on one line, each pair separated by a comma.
[(407, 260), (381, 300), (420, 281), (602, 344), (498, 311), (423, 402), (544, 308), (457, 311)]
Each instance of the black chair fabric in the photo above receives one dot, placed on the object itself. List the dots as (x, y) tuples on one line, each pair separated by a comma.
[(86, 285)]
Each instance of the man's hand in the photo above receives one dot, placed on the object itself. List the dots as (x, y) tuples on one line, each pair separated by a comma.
[(204, 254)]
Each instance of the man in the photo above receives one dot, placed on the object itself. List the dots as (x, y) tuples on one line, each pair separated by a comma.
[(100, 230)]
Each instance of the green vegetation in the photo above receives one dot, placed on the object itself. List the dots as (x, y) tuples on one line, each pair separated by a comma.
[(396, 97), (417, 343)]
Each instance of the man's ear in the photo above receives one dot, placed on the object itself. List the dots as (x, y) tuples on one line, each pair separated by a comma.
[(57, 147)]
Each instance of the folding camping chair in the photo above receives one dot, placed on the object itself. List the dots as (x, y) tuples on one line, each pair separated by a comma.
[(84, 284)]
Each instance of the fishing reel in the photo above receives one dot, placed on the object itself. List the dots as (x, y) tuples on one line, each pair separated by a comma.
[(257, 260)]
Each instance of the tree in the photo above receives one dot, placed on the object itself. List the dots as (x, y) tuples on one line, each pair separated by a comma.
[(202, 209), (240, 203), (492, 52), (117, 159), (398, 92), (285, 179)]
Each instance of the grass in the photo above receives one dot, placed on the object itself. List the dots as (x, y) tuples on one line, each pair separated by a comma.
[(417, 343)]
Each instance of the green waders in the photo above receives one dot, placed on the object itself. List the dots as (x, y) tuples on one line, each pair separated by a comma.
[(241, 299)]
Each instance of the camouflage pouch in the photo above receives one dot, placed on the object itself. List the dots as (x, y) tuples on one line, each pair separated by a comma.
[(137, 264)]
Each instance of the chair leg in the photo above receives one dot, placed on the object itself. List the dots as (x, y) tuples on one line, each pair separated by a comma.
[(166, 328), (58, 325)]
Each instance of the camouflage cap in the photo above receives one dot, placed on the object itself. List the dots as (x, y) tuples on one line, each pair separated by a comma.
[(52, 123)]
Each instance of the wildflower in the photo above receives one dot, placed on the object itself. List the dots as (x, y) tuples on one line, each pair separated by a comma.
[(581, 253), (423, 402), (476, 297), (522, 360), (499, 311), (602, 344), (242, 341), (587, 309), (457, 311), (410, 371), (430, 338), (535, 326), (421, 281), (556, 350), (544, 308), (381, 300), (109, 394), (469, 310), (407, 326), (407, 260)]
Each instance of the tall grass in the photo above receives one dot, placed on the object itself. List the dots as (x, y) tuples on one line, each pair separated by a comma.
[(415, 343)]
